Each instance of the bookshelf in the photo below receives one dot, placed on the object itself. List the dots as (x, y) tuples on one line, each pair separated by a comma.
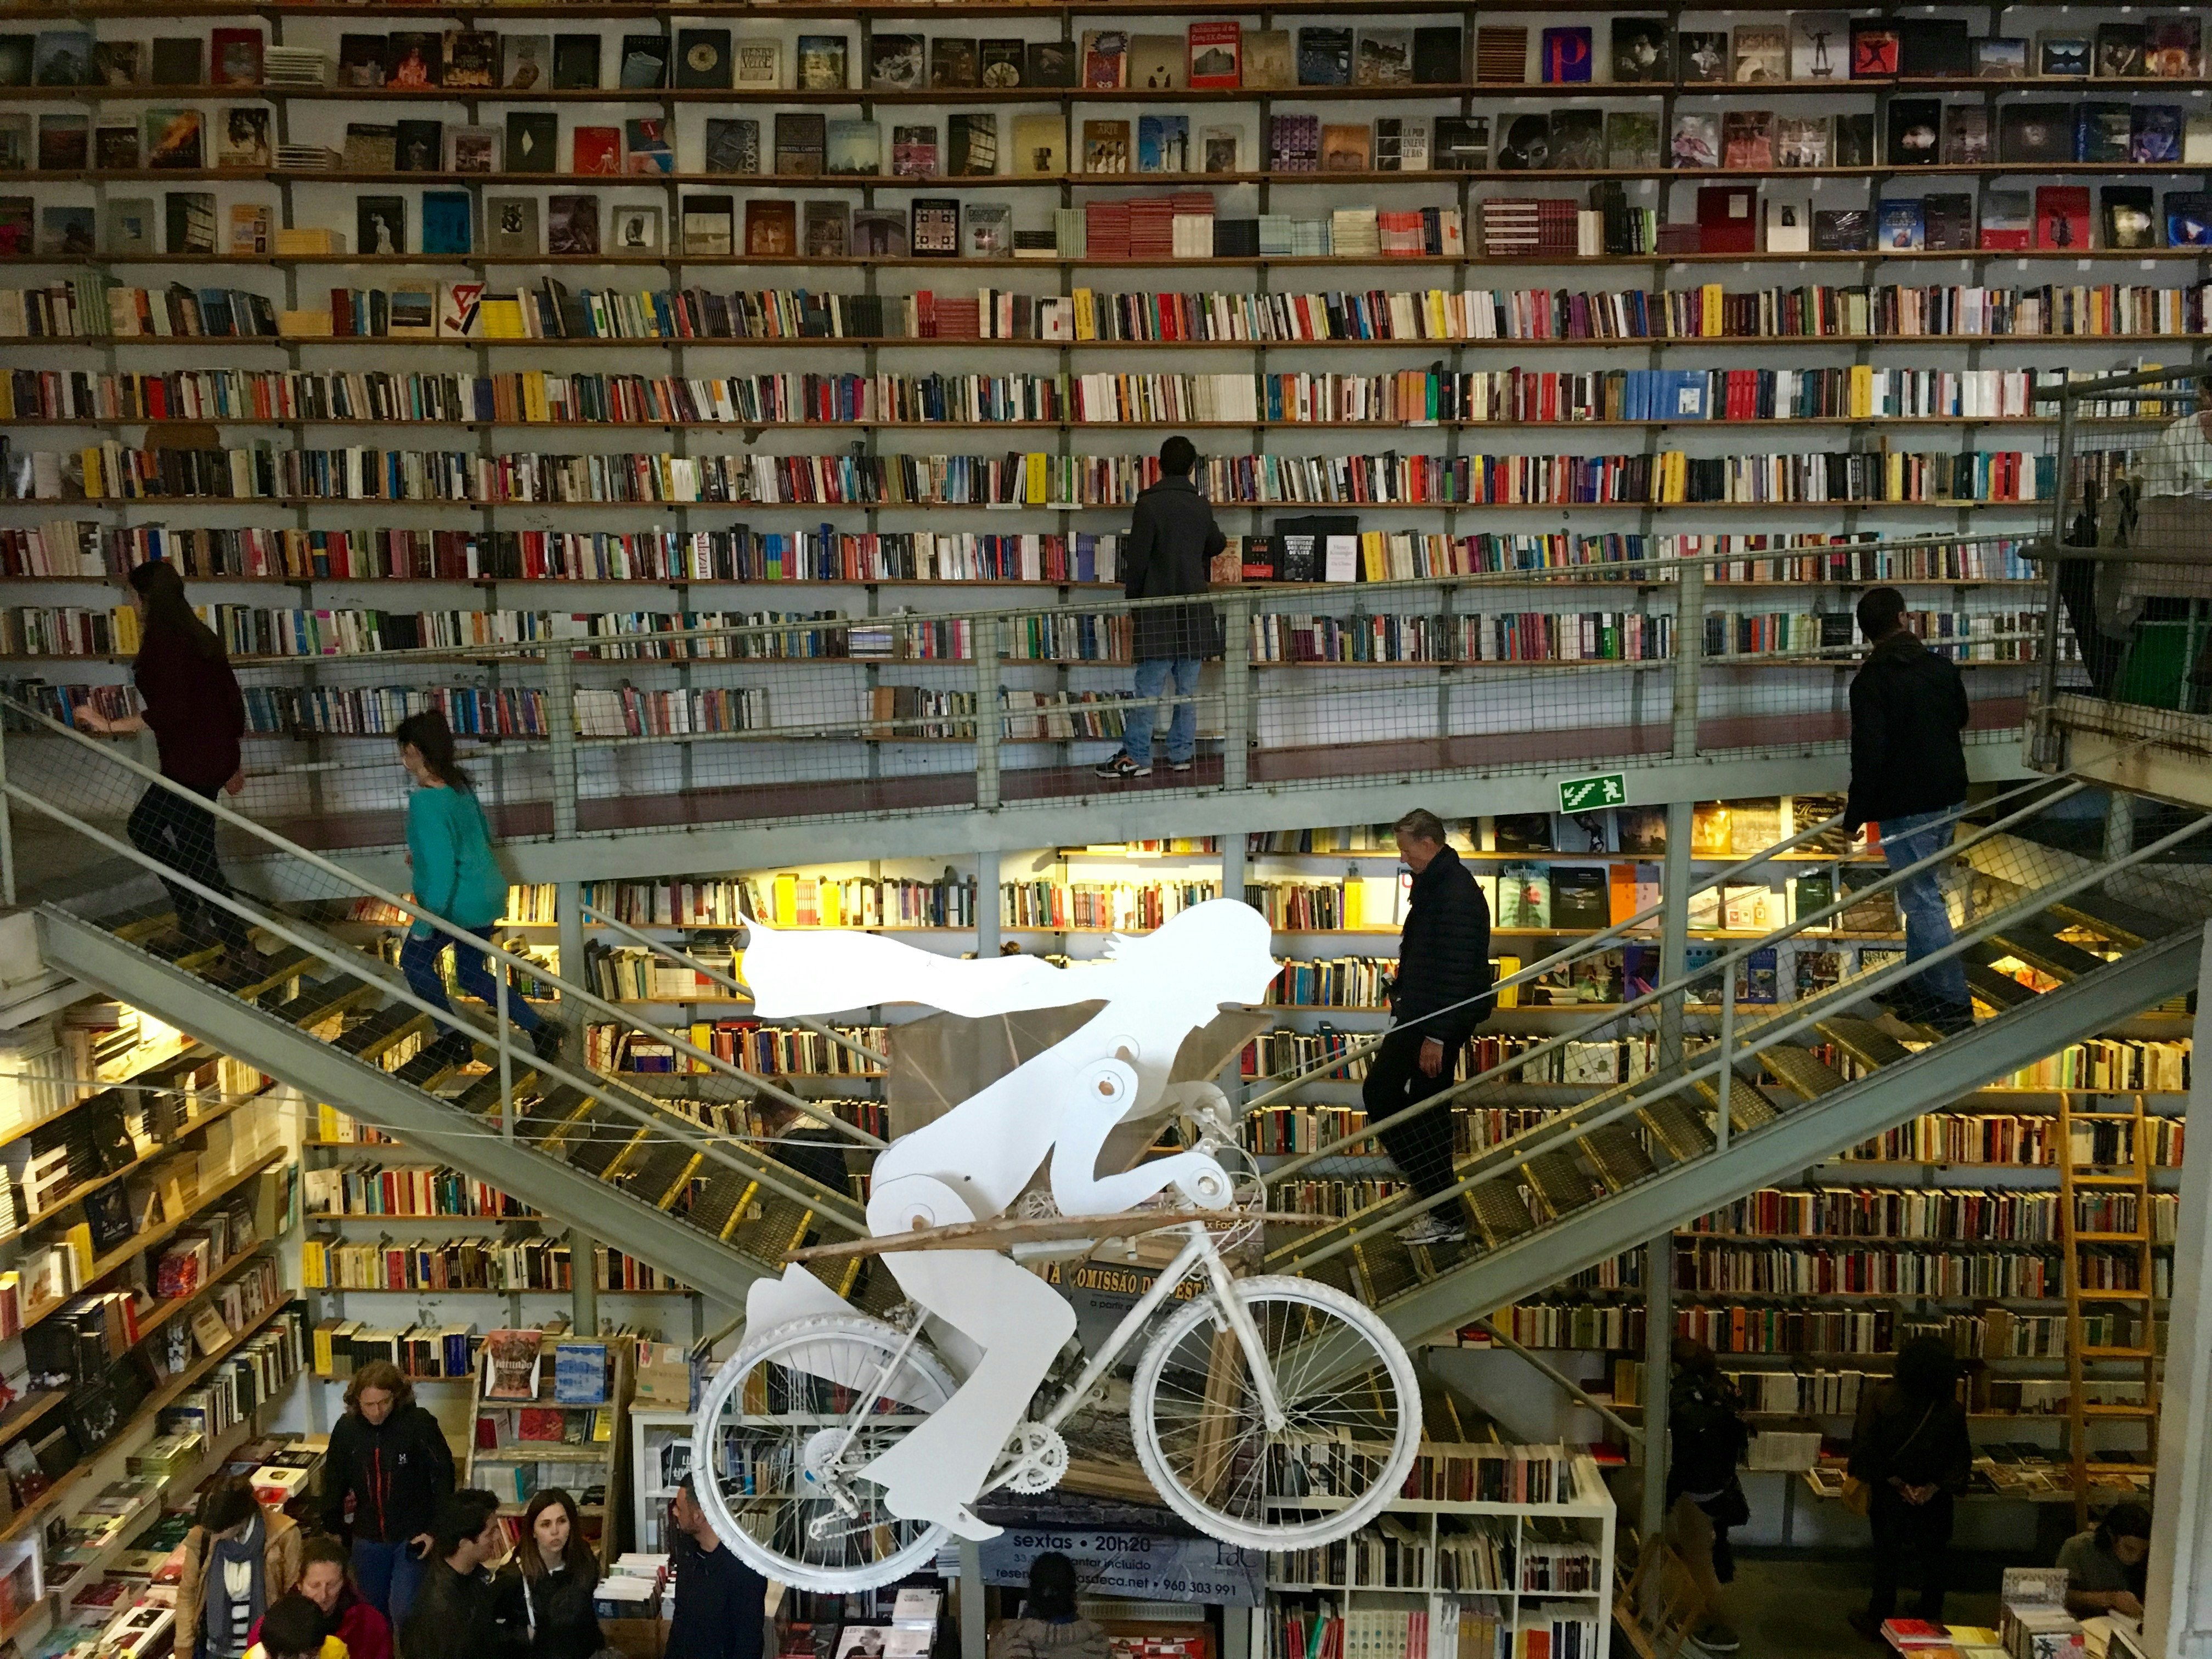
[(551, 1410)]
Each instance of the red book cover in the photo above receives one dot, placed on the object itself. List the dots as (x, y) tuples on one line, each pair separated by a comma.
[(235, 58), (2061, 216), (1216, 54), (598, 149), (1727, 223), (1914, 1633)]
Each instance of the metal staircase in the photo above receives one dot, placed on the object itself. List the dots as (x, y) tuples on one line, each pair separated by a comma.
[(1611, 1168)]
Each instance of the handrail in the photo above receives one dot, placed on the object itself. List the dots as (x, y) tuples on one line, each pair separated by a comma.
[(1571, 1123), (352, 960)]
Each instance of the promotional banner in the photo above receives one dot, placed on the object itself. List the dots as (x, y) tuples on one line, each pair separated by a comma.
[(1135, 1564)]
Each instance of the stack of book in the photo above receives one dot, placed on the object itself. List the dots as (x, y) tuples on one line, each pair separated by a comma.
[(292, 66)]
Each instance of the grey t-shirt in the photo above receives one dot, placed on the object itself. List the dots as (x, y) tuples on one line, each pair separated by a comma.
[(2090, 1569)]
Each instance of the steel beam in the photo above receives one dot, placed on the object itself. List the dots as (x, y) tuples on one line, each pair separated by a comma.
[(1805, 1136), (321, 1071)]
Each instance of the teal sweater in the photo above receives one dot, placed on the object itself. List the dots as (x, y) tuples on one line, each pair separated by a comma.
[(455, 876)]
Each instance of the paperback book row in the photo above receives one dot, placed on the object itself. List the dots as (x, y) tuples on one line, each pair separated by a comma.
[(2010, 1215), (1990, 1333), (1280, 1130), (1466, 1555), (342, 1346), (1479, 1627), (1824, 1393), (1811, 48), (1405, 397), (468, 1264), (89, 308), (1866, 1270), (114, 472), (2024, 1141), (766, 1050), (366, 1188)]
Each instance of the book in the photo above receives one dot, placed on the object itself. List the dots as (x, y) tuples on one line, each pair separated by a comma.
[(703, 58), (971, 144), (532, 137), (1854, 139), (1105, 58), (879, 233), (381, 224), (802, 141), (580, 1373), (1789, 224), (2127, 213), (1577, 141), (1842, 230), (1040, 143), (2062, 55), (510, 1364), (1324, 56), (732, 146), (2102, 132), (1268, 60), (1696, 141), (952, 61), (1933, 48), (1802, 141), (1874, 50), (1643, 49), (934, 225), (1915, 131), (1564, 55), (757, 63), (1216, 59), (2157, 137), (898, 62), (1900, 226), (2034, 132), (572, 224), (1997, 57), (913, 152), (771, 228), (826, 229), (1383, 57), (990, 230), (1221, 149), (1439, 56), (472, 149), (63, 57), (855, 148), (999, 62), (633, 230), (1748, 139), (114, 64), (471, 60), (445, 222), (1164, 143), (1632, 140), (128, 227), (1460, 143), (1759, 52), (2061, 216), (188, 220), (1949, 221), (173, 138), (1106, 147), (1344, 147), (709, 225), (1703, 55), (1820, 46), (1526, 143), (2121, 51), (644, 62), (646, 149), (1050, 64), (576, 62), (2188, 218), (2173, 48), (175, 61), (511, 226), (1156, 63), (64, 142), (412, 59), (1501, 53), (596, 150), (1966, 138), (246, 139), (234, 57), (418, 146), (2008, 220)]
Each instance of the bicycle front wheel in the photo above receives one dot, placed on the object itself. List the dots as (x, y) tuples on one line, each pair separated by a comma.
[(783, 1429), (1351, 1407)]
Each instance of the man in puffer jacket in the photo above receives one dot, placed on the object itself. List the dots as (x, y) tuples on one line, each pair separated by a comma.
[(389, 1457)]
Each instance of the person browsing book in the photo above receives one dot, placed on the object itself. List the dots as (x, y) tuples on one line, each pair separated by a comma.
[(387, 1469), (2107, 1566), (1908, 773), (1437, 1001), (197, 715), (460, 1613), (1172, 542), (721, 1604), (449, 850), (547, 1588)]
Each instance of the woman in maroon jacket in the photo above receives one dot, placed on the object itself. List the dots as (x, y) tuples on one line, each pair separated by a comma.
[(197, 715)]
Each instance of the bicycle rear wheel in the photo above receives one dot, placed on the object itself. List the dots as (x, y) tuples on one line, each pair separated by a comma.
[(1351, 1403), (779, 1434)]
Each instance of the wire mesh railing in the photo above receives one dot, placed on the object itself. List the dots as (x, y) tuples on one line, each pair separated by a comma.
[(598, 723), (2129, 577)]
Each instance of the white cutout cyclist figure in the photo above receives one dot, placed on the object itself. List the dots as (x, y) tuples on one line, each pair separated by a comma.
[(1273, 1412)]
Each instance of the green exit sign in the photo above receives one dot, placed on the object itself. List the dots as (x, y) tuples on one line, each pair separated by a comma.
[(1588, 795)]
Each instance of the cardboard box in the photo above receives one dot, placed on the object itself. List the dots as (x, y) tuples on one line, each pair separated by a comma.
[(635, 1638), (664, 1376)]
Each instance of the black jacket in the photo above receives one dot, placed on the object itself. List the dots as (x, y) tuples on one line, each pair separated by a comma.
[(553, 1611), (721, 1606), (395, 1471), (1443, 952), (1908, 706), (1172, 542), (459, 1615), (1900, 1434)]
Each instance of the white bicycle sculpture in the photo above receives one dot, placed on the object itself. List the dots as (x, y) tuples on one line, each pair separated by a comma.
[(835, 1450), (1268, 1412)]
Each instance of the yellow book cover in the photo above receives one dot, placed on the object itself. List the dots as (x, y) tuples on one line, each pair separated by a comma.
[(1862, 390), (829, 902), (1374, 555), (499, 318), (1354, 906), (79, 1239), (1710, 300), (1038, 491), (787, 900)]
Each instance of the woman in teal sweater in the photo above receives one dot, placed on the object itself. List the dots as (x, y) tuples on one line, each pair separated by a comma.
[(449, 848)]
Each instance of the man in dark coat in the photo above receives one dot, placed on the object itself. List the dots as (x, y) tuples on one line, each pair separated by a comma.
[(1172, 542), (1908, 772), (1438, 1000)]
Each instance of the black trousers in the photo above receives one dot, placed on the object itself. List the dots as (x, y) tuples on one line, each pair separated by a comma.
[(1903, 1531), (180, 833), (1421, 1146)]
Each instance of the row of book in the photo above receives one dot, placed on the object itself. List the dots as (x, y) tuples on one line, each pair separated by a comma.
[(2014, 1139), (90, 309), (2010, 1215), (112, 471), (342, 1346), (741, 554), (1990, 1333), (1479, 1627), (1773, 1270), (2110, 1065), (468, 1264), (767, 1050), (1420, 396), (404, 1189)]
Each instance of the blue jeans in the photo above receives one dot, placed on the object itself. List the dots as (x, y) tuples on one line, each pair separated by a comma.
[(1906, 840), (389, 1574), (1182, 729), (418, 961)]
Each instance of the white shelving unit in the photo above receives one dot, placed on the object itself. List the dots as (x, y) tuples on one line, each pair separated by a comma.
[(651, 1433)]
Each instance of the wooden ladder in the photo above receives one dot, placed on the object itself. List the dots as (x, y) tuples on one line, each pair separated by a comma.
[(2077, 1182)]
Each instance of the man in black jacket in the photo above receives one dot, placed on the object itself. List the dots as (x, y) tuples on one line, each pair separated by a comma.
[(720, 1602), (1172, 542), (460, 1613), (1437, 1000), (1908, 771), (389, 1462)]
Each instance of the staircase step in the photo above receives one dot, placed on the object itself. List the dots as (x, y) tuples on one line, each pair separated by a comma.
[(167, 945), (1500, 1212), (1999, 990), (1803, 1072), (1677, 1129), (1863, 1040), (1559, 1181), (481, 1097), (2116, 918), (660, 1171), (549, 1118), (141, 922), (320, 999), (2037, 945), (595, 1153), (722, 1201), (251, 978), (1748, 1109), (1619, 1156), (393, 1023)]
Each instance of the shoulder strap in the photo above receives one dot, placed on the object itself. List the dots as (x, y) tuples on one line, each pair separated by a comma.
[(1916, 1427)]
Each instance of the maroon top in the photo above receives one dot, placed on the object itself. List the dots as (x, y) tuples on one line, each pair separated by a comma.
[(194, 707)]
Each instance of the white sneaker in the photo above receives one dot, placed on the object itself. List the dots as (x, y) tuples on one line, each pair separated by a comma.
[(1432, 1228)]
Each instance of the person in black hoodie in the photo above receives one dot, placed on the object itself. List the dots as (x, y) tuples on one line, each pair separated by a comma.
[(1910, 1449), (460, 1613), (1443, 971), (547, 1588), (1908, 771), (1172, 542), (389, 1462)]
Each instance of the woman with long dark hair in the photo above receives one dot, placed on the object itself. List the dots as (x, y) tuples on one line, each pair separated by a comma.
[(449, 848), (549, 1582), (1911, 1450), (196, 714)]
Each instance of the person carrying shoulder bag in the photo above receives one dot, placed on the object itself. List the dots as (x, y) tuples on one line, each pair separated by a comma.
[(1910, 1457)]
